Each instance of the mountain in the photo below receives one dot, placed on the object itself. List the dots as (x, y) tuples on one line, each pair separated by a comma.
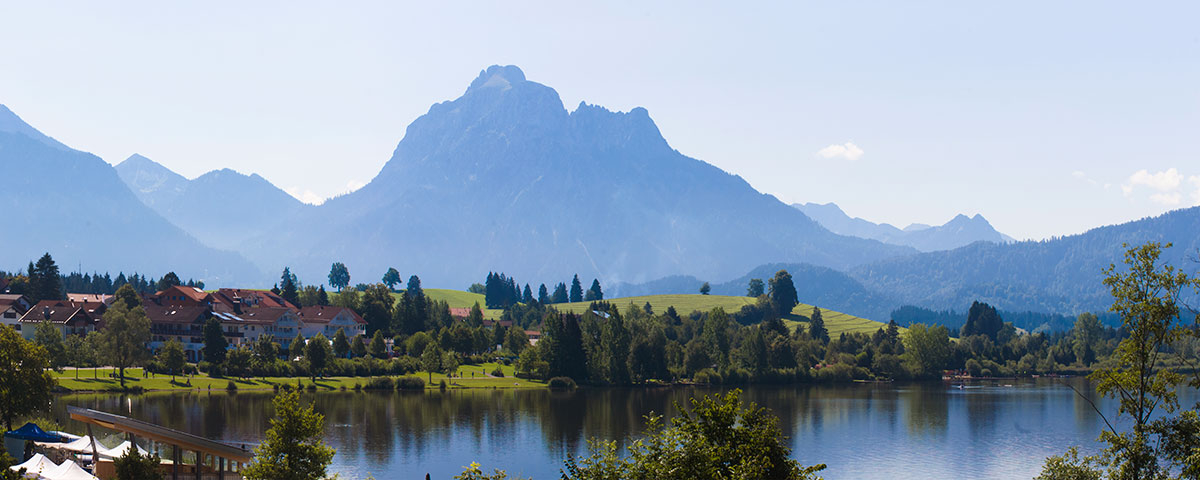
[(504, 178), (959, 231), (1062, 275), (73, 205), (221, 208)]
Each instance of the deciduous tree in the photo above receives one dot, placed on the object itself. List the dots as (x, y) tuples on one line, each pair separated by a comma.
[(27, 381), (293, 448), (124, 337), (339, 276)]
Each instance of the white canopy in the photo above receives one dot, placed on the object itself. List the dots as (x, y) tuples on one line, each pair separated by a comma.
[(35, 466), (79, 445), (119, 450), (67, 471)]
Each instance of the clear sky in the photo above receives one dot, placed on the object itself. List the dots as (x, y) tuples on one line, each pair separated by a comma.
[(1048, 118)]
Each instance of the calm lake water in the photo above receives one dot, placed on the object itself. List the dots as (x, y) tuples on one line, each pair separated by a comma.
[(861, 431)]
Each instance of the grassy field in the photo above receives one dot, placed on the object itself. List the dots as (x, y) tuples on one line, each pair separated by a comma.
[(835, 322), (459, 299), (134, 379)]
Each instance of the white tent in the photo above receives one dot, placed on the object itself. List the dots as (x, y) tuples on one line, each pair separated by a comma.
[(67, 471), (119, 450), (80, 445), (35, 466)]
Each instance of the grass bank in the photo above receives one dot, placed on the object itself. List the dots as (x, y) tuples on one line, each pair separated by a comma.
[(99, 380)]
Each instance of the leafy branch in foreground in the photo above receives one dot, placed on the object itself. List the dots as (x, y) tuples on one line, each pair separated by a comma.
[(1147, 296)]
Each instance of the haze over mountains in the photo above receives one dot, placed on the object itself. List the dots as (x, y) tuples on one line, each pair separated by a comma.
[(504, 178), (222, 208), (73, 204), (959, 231)]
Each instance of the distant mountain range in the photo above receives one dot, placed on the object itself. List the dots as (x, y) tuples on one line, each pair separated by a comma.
[(959, 231), (222, 208), (73, 205), (504, 178)]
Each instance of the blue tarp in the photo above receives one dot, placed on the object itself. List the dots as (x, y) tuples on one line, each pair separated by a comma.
[(33, 432)]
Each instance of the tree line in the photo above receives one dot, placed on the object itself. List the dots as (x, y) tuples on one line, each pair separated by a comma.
[(42, 280)]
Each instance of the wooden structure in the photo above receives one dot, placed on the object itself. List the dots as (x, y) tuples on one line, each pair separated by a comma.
[(227, 460)]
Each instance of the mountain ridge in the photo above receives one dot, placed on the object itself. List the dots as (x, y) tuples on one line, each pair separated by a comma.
[(957, 232)]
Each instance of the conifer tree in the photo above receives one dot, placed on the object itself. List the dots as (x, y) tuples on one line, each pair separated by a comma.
[(576, 290)]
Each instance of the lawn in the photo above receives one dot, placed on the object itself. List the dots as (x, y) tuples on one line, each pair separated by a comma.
[(134, 379), (836, 322)]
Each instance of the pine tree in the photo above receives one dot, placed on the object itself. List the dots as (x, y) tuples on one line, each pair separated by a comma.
[(322, 297), (527, 298), (543, 295), (576, 290), (594, 294), (560, 294), (816, 326), (290, 291), (341, 345)]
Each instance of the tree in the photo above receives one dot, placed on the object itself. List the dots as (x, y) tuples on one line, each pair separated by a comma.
[(27, 380), (378, 347), (322, 297), (475, 318), (431, 360), (127, 295), (7, 472), (477, 288), (705, 289), (172, 357), (124, 337), (594, 294), (265, 350), (720, 438), (450, 363), (169, 280), (926, 349), (560, 294), (293, 448), (214, 342), (317, 355), (134, 466), (816, 326), (543, 295), (309, 296), (341, 345), (1084, 336), (79, 352), (783, 292), (339, 276), (45, 283), (289, 287), (527, 294), (982, 319), (576, 290), (1146, 295), (50, 338), (377, 307), (515, 340), (392, 278), (357, 347), (755, 288), (296, 347)]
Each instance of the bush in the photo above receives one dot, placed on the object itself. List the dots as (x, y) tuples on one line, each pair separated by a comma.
[(442, 385), (380, 383), (231, 386), (707, 376), (561, 383), (410, 383), (736, 376), (498, 372)]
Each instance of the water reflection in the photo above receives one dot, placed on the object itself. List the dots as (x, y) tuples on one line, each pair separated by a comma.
[(924, 430)]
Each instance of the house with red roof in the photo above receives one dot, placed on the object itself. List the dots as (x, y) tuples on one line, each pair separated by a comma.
[(328, 319), (71, 318), (12, 308)]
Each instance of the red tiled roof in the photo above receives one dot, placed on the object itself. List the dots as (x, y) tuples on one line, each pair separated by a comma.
[(189, 315), (251, 298), (89, 297), (325, 313), (264, 315), (460, 312), (56, 311), (7, 303)]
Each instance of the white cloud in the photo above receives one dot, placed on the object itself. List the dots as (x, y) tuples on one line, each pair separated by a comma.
[(1169, 199), (847, 151), (1164, 181), (306, 196)]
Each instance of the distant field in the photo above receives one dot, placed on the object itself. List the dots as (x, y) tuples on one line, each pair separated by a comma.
[(836, 322), (459, 299)]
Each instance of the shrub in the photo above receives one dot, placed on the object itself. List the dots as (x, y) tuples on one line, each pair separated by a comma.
[(498, 372), (380, 383), (231, 386), (312, 387), (707, 376), (410, 383), (561, 383)]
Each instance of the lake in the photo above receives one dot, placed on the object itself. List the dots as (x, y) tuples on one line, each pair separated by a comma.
[(999, 429)]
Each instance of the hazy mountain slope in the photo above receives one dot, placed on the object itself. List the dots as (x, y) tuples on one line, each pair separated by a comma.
[(959, 231), (11, 123), (154, 184), (1062, 275), (222, 208), (504, 178), (73, 205)]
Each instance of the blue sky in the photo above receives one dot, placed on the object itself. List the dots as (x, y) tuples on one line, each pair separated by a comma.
[(1048, 118)]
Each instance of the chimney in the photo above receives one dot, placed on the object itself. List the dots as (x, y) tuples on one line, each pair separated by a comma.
[(46, 311)]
